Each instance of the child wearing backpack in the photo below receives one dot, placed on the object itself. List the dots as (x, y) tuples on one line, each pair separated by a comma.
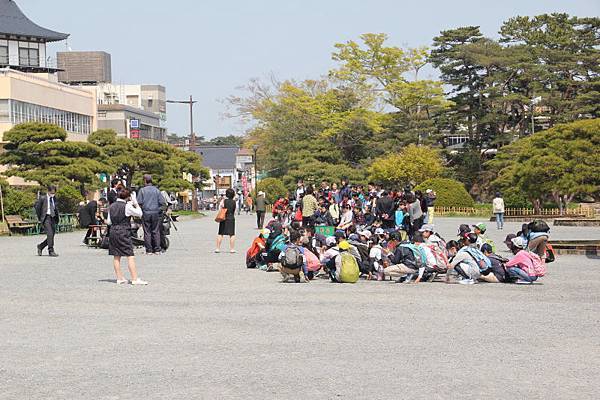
[(293, 262)]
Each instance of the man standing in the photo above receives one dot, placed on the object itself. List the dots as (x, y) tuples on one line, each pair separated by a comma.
[(151, 201), (47, 214), (386, 210), (113, 191), (261, 209)]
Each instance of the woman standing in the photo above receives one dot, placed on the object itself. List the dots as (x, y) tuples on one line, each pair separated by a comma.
[(227, 227), (120, 245)]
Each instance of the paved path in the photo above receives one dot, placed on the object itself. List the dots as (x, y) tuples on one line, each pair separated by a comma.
[(207, 328)]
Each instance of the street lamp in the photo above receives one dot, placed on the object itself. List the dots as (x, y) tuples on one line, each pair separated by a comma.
[(255, 148), (191, 103)]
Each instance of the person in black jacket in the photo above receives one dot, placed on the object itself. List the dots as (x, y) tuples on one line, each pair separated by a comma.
[(47, 213), (113, 192), (385, 208)]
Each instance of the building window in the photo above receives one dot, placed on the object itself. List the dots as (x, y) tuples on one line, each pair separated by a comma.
[(21, 112), (4, 111), (4, 55), (29, 57)]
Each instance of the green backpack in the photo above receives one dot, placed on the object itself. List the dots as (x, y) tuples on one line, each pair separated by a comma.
[(349, 271)]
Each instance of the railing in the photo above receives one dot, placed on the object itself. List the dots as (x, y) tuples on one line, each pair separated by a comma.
[(515, 212)]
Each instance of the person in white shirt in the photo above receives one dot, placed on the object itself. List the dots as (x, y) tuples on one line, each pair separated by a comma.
[(498, 210), (120, 244)]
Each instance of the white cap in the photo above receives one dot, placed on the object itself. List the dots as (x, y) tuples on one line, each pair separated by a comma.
[(365, 233), (330, 241), (261, 193), (379, 231), (428, 191)]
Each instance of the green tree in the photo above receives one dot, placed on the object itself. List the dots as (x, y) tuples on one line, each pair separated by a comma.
[(39, 152), (414, 164), (273, 188), (558, 164), (390, 74), (166, 163), (450, 193)]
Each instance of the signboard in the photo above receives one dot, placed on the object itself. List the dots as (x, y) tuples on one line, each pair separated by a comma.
[(326, 231), (223, 182), (134, 133), (134, 124)]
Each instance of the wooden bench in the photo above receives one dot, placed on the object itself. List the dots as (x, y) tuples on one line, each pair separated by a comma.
[(17, 224)]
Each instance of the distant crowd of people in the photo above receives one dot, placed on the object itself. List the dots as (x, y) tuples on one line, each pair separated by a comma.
[(345, 232)]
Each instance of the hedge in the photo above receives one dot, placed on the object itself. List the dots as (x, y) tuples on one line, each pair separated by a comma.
[(450, 193)]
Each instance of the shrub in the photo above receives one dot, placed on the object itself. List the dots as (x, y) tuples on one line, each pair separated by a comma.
[(513, 198), (17, 202), (273, 188), (450, 193), (67, 199)]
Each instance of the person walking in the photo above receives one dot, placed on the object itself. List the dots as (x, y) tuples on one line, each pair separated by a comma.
[(120, 244), (498, 210), (261, 209), (151, 202), (47, 213), (227, 227)]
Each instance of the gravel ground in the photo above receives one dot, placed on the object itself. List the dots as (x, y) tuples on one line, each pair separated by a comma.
[(207, 328)]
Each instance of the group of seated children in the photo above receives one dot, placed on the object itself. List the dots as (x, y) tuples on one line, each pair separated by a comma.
[(382, 254)]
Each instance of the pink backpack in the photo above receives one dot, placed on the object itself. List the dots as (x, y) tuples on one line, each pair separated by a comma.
[(312, 261)]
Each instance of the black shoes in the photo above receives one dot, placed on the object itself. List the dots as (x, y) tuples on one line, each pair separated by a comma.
[(39, 249), (52, 254)]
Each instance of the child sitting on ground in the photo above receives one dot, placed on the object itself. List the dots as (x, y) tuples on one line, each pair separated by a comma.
[(293, 261)]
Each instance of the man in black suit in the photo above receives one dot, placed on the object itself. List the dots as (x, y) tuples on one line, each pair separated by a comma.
[(385, 208), (113, 192), (47, 213)]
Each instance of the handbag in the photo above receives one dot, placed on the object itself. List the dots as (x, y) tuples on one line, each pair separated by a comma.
[(221, 215)]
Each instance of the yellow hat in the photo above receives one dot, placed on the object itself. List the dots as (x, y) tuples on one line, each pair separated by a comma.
[(344, 245)]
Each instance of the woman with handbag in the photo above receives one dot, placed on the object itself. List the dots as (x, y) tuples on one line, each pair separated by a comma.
[(226, 220)]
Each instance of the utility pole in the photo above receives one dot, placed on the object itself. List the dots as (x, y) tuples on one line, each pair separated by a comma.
[(191, 103)]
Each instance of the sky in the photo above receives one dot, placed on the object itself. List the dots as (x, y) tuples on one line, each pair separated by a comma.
[(210, 48)]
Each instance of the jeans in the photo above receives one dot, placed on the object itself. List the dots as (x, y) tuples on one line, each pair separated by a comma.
[(500, 220), (520, 274)]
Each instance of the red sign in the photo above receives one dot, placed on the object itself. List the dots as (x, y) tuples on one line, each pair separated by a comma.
[(134, 133), (245, 185)]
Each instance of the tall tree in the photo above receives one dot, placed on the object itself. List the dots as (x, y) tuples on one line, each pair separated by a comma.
[(39, 152)]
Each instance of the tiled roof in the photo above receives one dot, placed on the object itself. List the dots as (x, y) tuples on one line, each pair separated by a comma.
[(218, 157), (14, 22)]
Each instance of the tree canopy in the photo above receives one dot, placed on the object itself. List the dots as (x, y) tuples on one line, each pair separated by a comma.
[(558, 164)]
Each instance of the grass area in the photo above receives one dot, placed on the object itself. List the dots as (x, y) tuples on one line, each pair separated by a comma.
[(190, 213)]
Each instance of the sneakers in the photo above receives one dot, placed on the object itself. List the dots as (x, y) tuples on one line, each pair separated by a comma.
[(122, 281), (523, 282), (232, 251), (217, 250), (138, 281), (467, 281), (284, 277)]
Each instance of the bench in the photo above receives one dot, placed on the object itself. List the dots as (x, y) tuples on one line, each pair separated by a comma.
[(17, 224), (98, 232)]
